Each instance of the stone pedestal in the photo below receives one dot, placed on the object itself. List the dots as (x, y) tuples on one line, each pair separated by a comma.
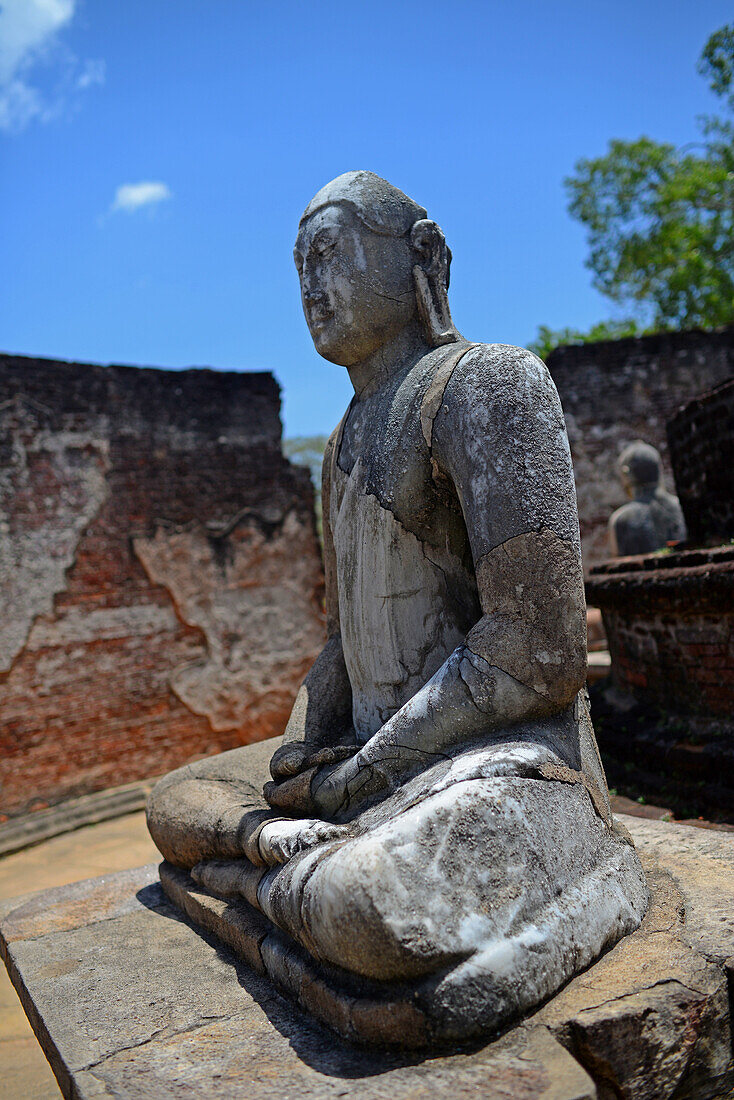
[(669, 620), (667, 711), (129, 1000)]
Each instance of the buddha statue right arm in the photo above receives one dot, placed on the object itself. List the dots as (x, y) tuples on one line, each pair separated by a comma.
[(321, 719)]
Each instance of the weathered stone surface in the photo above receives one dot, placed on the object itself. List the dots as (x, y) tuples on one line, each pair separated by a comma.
[(702, 863), (248, 1055), (117, 487), (253, 598), (701, 440), (100, 849), (185, 837), (210, 1027), (413, 875), (540, 657), (652, 1018), (129, 1001), (58, 479), (99, 959), (453, 831), (65, 908)]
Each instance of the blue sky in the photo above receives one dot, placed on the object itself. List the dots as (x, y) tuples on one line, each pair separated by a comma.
[(156, 156)]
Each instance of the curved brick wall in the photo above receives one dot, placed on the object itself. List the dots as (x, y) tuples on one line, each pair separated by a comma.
[(701, 442), (670, 625), (160, 573)]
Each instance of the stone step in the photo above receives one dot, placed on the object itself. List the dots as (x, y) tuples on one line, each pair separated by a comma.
[(75, 813)]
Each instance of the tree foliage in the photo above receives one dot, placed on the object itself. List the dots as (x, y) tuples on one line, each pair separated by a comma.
[(308, 450), (548, 338), (660, 220)]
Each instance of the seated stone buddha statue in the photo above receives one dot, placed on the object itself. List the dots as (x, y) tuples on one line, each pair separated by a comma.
[(438, 821), (652, 517)]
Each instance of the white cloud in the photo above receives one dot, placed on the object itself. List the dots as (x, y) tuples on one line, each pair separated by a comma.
[(93, 72), (29, 32), (18, 105), (131, 196), (26, 28)]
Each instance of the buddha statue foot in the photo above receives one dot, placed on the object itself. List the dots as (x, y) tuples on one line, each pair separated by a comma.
[(461, 901)]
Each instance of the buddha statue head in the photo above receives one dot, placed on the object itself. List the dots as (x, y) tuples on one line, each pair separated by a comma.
[(640, 470), (370, 263)]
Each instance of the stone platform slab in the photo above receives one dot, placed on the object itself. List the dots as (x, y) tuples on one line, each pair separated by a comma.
[(129, 1000)]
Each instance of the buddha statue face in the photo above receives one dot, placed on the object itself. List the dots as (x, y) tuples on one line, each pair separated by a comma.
[(357, 285), (640, 469)]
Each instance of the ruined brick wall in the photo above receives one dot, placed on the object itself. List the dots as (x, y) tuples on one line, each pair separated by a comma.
[(701, 442), (620, 390), (160, 573)]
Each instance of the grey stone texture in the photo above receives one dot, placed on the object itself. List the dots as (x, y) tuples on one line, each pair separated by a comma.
[(464, 895), (129, 1000), (653, 517), (455, 854)]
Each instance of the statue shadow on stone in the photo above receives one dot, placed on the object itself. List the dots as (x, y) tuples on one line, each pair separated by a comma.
[(435, 854), (316, 1047), (652, 518)]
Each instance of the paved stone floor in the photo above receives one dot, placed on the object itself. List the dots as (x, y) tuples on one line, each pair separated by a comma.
[(96, 850)]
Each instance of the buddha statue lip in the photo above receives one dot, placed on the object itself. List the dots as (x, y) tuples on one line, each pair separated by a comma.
[(318, 315), (438, 826)]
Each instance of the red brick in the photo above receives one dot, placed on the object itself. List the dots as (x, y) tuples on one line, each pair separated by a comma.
[(183, 449)]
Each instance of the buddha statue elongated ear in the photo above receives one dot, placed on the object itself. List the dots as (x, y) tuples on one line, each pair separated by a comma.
[(431, 275)]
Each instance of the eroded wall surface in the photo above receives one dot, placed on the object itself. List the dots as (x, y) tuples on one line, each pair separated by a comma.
[(621, 390), (701, 442), (161, 579)]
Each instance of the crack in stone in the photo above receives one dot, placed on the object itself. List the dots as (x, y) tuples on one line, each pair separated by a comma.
[(166, 1033), (637, 990), (389, 297), (530, 531), (496, 668), (434, 395)]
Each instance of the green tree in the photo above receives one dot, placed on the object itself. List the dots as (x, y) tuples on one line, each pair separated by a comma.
[(660, 220)]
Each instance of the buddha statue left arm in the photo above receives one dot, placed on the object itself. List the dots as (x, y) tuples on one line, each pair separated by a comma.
[(500, 438)]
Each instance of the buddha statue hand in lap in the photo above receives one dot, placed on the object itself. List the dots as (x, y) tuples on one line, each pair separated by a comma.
[(438, 824)]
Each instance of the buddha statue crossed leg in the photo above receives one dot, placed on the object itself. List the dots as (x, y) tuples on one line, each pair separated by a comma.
[(438, 819)]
